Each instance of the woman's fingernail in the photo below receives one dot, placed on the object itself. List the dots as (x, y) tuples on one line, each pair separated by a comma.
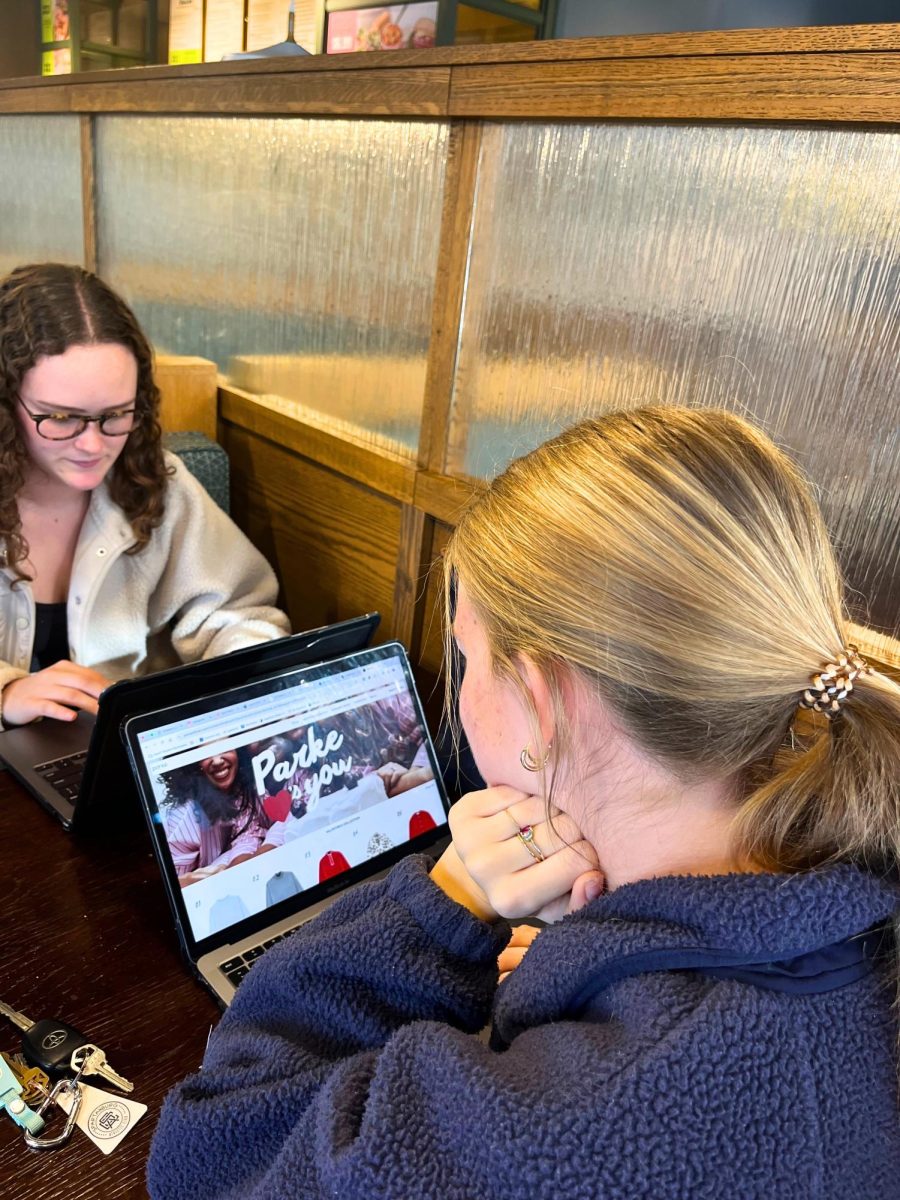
[(593, 888)]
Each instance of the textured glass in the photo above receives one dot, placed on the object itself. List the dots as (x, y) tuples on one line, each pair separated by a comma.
[(297, 254), (755, 268), (40, 191)]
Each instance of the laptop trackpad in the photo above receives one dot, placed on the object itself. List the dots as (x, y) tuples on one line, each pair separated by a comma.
[(44, 740)]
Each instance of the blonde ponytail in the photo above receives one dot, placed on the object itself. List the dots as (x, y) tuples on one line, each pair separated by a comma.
[(832, 791), (677, 560)]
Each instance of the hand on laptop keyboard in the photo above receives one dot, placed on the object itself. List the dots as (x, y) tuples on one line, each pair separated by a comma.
[(59, 691)]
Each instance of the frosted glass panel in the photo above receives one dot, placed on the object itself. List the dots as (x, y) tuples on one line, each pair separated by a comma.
[(40, 191), (754, 268), (298, 254)]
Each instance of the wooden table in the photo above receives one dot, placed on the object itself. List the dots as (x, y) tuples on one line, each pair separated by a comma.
[(88, 937)]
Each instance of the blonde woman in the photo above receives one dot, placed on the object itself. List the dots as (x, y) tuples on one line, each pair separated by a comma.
[(685, 756)]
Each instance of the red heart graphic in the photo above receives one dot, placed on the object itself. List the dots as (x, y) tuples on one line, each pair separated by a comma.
[(278, 806)]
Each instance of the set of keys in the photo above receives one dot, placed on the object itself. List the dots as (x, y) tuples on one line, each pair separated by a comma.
[(55, 1046), (52, 1047), (34, 1082)]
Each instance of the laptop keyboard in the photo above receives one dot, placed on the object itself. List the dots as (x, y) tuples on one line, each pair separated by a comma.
[(234, 969), (64, 774)]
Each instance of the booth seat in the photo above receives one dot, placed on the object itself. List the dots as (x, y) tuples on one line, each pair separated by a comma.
[(206, 461)]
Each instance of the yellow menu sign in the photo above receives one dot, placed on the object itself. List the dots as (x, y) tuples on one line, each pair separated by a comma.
[(186, 31), (56, 62)]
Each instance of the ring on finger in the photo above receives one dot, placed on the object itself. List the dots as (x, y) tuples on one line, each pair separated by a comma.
[(525, 834)]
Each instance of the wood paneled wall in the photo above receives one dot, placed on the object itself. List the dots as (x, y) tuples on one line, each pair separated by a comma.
[(837, 73), (349, 527)]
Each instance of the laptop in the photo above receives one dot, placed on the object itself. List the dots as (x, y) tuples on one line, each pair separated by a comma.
[(267, 800), (79, 770)]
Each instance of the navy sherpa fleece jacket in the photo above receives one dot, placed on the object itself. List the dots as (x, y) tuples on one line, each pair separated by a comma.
[(630, 1057)]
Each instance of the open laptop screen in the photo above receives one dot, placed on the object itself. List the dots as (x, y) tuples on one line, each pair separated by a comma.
[(288, 787)]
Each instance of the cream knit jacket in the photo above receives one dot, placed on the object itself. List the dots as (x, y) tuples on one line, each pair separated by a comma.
[(197, 589)]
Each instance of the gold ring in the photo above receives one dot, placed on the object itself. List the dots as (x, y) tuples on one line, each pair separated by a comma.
[(525, 834)]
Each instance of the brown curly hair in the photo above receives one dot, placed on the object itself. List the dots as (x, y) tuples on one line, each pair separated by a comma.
[(44, 309)]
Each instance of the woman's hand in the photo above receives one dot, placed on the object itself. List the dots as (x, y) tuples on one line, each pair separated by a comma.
[(399, 779), (390, 774), (452, 877), (198, 874), (506, 875), (516, 948), (58, 691), (239, 858), (587, 887)]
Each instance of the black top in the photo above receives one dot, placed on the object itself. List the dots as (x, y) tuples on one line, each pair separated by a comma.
[(51, 635)]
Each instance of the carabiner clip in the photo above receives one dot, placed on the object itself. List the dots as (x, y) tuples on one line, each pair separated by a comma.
[(44, 1143)]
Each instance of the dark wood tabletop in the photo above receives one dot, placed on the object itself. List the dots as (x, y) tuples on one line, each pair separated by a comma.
[(88, 937)]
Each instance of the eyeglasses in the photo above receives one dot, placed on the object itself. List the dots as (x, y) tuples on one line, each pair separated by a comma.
[(62, 427)]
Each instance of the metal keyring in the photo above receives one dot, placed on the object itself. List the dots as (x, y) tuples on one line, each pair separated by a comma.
[(42, 1143)]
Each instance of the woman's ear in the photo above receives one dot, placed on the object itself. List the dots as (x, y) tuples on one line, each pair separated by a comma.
[(541, 692)]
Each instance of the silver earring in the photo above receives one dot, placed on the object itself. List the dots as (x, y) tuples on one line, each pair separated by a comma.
[(530, 763)]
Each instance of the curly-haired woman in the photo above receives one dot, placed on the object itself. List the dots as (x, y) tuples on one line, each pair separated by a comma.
[(214, 818), (116, 561)]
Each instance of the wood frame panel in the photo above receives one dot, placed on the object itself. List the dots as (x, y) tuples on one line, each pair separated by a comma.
[(449, 291), (366, 93), (388, 474), (429, 642), (88, 196), (413, 559), (785, 87), (333, 541), (188, 393), (427, 501), (833, 73), (817, 39)]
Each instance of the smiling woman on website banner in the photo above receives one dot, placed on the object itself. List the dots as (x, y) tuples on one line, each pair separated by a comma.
[(116, 561), (213, 815), (696, 780)]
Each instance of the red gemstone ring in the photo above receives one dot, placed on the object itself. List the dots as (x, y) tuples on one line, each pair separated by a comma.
[(525, 834)]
